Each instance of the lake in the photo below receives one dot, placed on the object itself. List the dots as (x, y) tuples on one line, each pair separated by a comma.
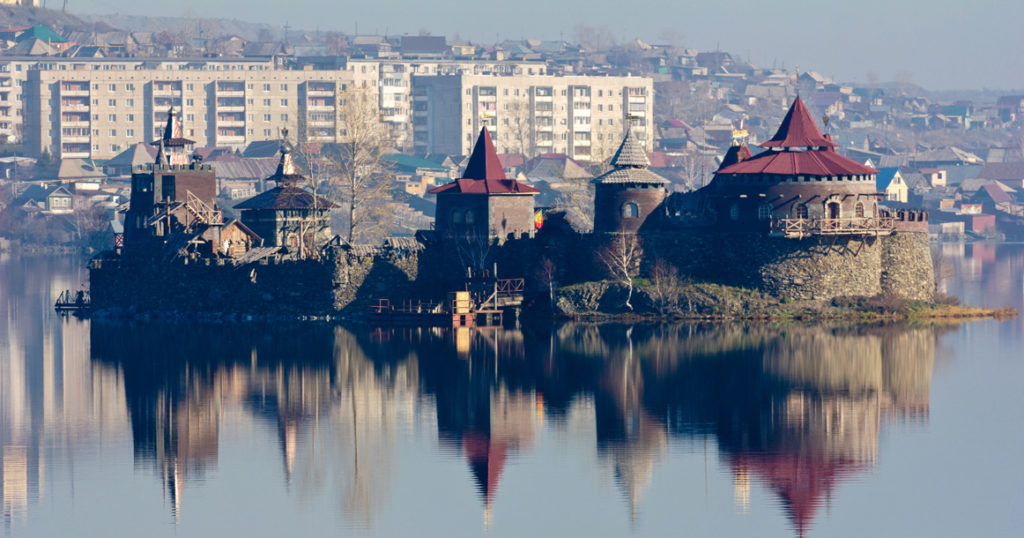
[(726, 429)]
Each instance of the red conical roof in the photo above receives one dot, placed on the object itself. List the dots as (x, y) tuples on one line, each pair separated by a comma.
[(484, 173), (484, 162), (798, 130)]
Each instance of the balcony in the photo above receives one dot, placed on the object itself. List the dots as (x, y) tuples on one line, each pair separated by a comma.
[(73, 139), (797, 228), (74, 108)]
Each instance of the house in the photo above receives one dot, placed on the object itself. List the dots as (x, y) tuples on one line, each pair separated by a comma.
[(1011, 173), (992, 198), (54, 199), (936, 176), (890, 181), (236, 239)]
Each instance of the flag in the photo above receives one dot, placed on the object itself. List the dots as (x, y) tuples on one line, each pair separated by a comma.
[(538, 219)]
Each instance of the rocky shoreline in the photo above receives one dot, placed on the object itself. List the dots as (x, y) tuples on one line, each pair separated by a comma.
[(605, 300)]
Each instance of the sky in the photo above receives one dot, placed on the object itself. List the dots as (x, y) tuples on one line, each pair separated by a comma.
[(937, 44)]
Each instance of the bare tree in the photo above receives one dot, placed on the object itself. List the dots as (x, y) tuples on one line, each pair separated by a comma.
[(604, 140), (547, 274), (364, 178), (621, 256), (577, 199), (518, 126), (665, 287), (473, 249)]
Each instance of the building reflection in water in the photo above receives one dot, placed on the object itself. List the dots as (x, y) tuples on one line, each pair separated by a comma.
[(795, 409), (53, 401)]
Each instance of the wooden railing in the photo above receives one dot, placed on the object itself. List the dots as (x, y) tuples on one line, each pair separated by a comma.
[(202, 211), (845, 226)]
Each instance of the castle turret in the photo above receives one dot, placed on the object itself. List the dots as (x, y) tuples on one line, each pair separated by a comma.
[(625, 196), (799, 186), (484, 202), (173, 181), (288, 215)]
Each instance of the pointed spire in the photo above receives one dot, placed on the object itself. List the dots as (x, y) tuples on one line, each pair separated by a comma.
[(173, 128), (287, 171), (630, 153), (484, 162), (174, 135), (737, 153), (798, 130), (161, 154)]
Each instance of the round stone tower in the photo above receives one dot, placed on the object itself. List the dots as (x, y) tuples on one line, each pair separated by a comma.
[(626, 195)]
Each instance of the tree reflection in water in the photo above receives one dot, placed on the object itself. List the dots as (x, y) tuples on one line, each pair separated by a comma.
[(794, 408)]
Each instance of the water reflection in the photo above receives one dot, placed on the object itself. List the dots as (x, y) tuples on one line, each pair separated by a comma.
[(795, 409)]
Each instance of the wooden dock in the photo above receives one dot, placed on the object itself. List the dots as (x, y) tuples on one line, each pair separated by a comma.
[(476, 306), (73, 302)]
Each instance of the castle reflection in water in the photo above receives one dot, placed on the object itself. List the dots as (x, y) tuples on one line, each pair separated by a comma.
[(796, 409)]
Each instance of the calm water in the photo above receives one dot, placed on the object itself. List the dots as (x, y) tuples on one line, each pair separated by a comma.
[(700, 430)]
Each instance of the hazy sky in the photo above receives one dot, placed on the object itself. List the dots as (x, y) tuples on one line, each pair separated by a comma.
[(943, 44)]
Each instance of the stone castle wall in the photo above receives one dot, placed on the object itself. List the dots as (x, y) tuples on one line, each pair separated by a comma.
[(349, 280), (813, 268)]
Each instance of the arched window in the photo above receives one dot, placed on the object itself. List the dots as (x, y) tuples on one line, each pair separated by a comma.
[(764, 211), (293, 240), (800, 211), (734, 212), (456, 217), (630, 210), (858, 210), (470, 219)]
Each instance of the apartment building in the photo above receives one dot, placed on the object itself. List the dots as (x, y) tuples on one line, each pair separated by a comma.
[(581, 116), (392, 80), (95, 109)]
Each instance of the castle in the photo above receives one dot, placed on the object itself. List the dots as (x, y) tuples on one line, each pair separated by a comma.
[(796, 221)]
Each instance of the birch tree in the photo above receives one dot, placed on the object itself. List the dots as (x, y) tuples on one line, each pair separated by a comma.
[(621, 256)]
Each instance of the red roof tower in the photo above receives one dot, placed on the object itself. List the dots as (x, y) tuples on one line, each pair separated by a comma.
[(484, 202)]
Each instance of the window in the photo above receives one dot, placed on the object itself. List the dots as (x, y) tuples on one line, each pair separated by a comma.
[(190, 117), (284, 102), (115, 148), (469, 217), (190, 102), (764, 211), (800, 211), (266, 132), (266, 87), (456, 216), (284, 117), (734, 212), (266, 102), (130, 87), (113, 133), (284, 87), (112, 118), (266, 117), (112, 87), (130, 133), (858, 210), (630, 210), (189, 87)]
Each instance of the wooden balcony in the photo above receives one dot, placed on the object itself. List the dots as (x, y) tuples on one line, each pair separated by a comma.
[(799, 228)]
